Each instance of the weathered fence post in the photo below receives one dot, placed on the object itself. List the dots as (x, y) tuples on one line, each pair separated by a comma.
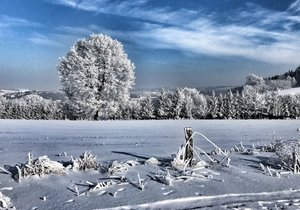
[(296, 162), (189, 147)]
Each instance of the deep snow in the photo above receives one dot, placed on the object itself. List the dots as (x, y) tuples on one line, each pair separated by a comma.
[(140, 140)]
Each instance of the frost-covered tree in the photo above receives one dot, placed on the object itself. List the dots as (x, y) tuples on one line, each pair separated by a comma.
[(275, 106), (147, 107), (165, 106), (200, 108), (236, 105), (229, 109), (259, 106), (96, 75), (213, 106), (254, 80), (244, 102), (220, 112), (135, 110), (194, 104), (2, 106), (187, 107), (294, 106), (178, 101)]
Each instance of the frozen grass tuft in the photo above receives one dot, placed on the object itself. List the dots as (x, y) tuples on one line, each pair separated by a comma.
[(84, 162), (117, 167), (39, 166), (289, 154), (5, 202)]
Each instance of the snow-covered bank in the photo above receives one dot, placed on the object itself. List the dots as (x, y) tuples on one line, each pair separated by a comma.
[(136, 140)]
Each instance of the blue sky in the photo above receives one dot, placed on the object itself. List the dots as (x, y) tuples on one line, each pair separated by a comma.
[(173, 43)]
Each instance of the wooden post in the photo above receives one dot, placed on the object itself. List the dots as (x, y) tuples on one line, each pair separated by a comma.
[(189, 147), (295, 160)]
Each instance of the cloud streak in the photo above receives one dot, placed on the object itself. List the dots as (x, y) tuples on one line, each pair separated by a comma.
[(231, 40), (40, 39), (8, 22), (257, 33), (136, 9)]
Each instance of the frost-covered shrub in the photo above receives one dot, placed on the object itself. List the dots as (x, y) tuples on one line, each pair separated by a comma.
[(84, 162), (39, 166), (289, 154), (117, 167)]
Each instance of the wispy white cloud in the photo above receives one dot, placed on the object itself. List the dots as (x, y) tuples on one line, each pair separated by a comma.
[(41, 39), (265, 40), (295, 6), (8, 21), (133, 9), (228, 41), (258, 33)]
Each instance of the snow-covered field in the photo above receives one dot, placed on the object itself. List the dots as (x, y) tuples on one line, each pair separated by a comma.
[(292, 91), (241, 185)]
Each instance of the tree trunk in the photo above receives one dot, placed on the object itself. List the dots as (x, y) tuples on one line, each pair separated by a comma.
[(96, 115)]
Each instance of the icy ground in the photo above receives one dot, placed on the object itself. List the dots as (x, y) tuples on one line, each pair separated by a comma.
[(243, 185)]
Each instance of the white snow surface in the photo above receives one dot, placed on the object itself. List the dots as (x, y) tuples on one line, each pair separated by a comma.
[(291, 91), (241, 185)]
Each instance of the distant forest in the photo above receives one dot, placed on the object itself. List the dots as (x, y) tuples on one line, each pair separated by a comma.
[(257, 99)]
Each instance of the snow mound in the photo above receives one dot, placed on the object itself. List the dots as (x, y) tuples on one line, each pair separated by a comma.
[(152, 161)]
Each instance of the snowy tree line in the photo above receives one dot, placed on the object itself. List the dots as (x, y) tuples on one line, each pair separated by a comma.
[(188, 103), (31, 107), (184, 103)]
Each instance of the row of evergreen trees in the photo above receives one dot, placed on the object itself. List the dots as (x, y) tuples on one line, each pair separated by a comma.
[(190, 104), (184, 103)]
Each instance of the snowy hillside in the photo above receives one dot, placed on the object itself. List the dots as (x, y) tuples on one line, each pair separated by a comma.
[(132, 143), (4, 92), (292, 91), (16, 94)]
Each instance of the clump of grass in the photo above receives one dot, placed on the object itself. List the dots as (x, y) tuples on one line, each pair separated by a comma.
[(117, 167), (39, 166), (289, 154), (84, 162)]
